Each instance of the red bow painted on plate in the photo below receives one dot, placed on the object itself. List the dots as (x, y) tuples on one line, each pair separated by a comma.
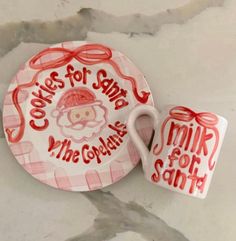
[(204, 119), (88, 54)]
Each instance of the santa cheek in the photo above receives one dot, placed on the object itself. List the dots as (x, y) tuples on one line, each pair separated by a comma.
[(73, 117), (90, 116)]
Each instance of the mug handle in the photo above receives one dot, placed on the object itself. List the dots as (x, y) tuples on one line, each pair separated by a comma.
[(138, 142)]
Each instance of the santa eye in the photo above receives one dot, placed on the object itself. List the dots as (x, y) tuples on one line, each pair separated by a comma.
[(87, 113), (77, 115)]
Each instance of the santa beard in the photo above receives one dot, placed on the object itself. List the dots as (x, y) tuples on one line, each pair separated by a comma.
[(80, 132)]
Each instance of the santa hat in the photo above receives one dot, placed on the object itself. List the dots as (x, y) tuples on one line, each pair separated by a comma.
[(72, 98)]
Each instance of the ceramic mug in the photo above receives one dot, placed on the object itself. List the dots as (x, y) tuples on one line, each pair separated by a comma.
[(184, 150)]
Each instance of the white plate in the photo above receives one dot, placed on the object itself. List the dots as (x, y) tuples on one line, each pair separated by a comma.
[(65, 115)]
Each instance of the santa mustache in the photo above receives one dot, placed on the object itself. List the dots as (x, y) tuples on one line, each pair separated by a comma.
[(79, 125)]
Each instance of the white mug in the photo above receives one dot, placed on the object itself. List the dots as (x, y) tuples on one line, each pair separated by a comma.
[(184, 150)]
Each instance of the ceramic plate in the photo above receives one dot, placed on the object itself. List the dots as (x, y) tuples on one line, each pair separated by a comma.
[(65, 115)]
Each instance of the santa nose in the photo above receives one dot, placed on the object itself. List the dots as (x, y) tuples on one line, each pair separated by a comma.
[(78, 116)]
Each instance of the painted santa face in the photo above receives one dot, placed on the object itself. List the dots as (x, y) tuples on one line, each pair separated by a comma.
[(82, 123), (82, 115)]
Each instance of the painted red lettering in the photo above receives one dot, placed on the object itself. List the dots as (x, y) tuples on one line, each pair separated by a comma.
[(39, 127), (202, 144), (178, 129), (157, 176), (174, 156), (179, 175)]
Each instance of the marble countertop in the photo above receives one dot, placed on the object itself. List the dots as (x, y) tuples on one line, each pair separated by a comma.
[(186, 49)]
